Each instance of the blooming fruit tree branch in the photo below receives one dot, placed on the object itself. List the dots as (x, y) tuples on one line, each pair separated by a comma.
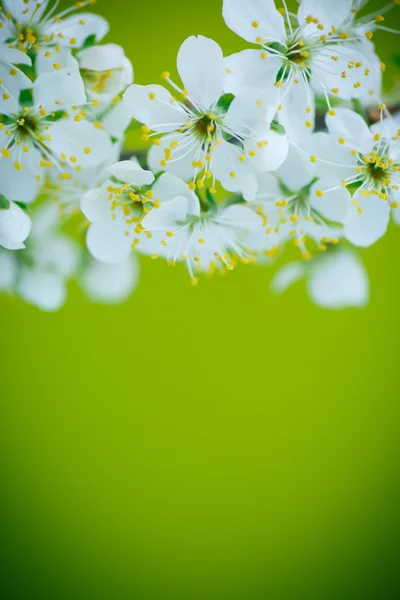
[(235, 169)]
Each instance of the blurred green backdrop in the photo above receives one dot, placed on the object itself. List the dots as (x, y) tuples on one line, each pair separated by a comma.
[(209, 442)]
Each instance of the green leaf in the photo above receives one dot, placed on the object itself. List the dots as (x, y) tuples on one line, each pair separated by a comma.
[(26, 98), (277, 46), (4, 203), (225, 101), (212, 204), (89, 41), (278, 128), (21, 204)]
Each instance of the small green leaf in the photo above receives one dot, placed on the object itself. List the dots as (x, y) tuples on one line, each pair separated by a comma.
[(89, 41), (4, 203), (277, 46), (21, 204), (26, 98), (275, 126), (212, 205), (225, 101)]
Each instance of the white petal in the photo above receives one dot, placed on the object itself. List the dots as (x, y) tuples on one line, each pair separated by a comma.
[(23, 12), (250, 70), (181, 166), (110, 284), (334, 205), (239, 216), (45, 59), (168, 187), (327, 12), (269, 157), (249, 112), (59, 89), (13, 56), (107, 242), (297, 170), (154, 106), (57, 253), (352, 128), (339, 160), (80, 26), (45, 290), (268, 188), (45, 219), (131, 172), (166, 217), (338, 280), (201, 68), (88, 144), (252, 19), (95, 204), (234, 174), (21, 185), (366, 228), (287, 276), (295, 111), (15, 226), (8, 270), (101, 58), (117, 120)]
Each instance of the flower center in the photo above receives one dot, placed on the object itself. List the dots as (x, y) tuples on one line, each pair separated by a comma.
[(298, 54), (27, 126), (205, 126)]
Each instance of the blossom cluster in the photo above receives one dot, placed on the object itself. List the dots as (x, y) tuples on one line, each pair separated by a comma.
[(236, 168)]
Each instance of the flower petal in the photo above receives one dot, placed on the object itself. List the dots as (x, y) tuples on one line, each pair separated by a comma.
[(15, 226), (110, 284), (43, 289), (201, 68), (250, 70), (59, 89), (253, 19), (107, 241), (268, 152), (250, 112), (22, 185), (297, 170), (287, 276), (168, 215), (334, 205), (82, 141), (183, 156), (327, 12), (338, 280), (79, 27), (129, 171), (101, 58), (366, 228), (154, 106), (95, 204), (168, 187), (349, 126)]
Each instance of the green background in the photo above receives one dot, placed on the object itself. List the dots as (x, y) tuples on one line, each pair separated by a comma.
[(209, 442)]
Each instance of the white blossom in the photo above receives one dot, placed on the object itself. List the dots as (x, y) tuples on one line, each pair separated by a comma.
[(368, 158), (38, 138), (50, 259), (309, 51), (206, 137), (110, 284), (335, 280), (15, 225)]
